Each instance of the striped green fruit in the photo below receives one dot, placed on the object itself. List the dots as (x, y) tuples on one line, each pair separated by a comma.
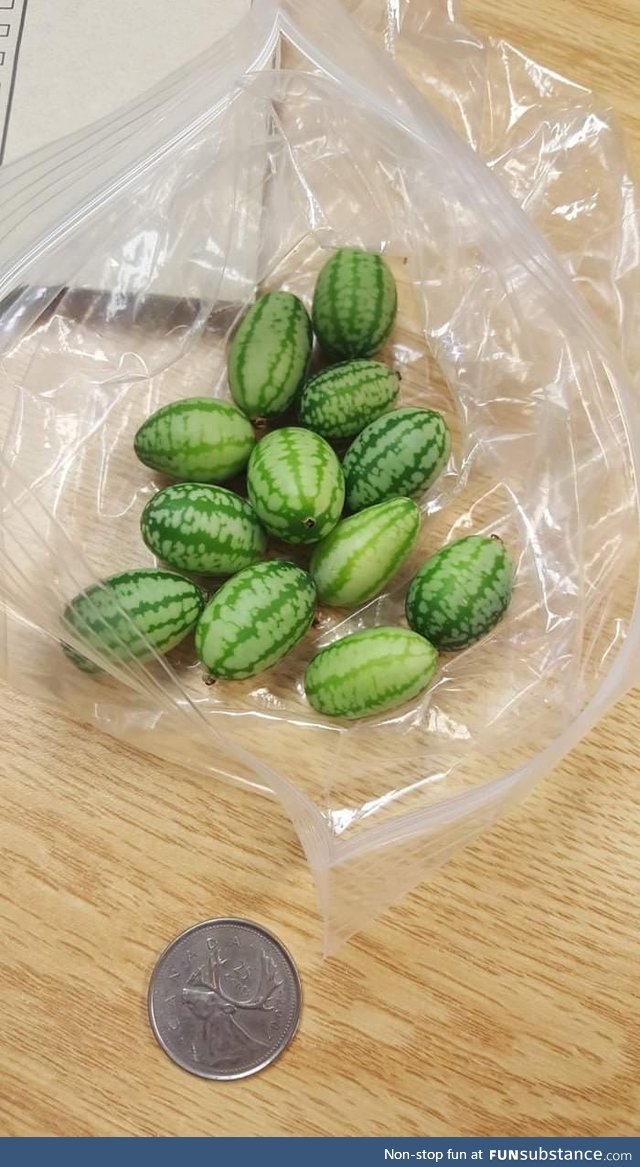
[(197, 440), (129, 615), (207, 529), (461, 592), (354, 305), (342, 400), (296, 485), (255, 619), (369, 672), (269, 355), (361, 554), (401, 453)]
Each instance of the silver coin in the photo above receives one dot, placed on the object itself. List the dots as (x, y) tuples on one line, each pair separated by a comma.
[(224, 999)]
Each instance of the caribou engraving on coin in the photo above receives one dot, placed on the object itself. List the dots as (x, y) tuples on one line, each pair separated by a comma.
[(224, 999)]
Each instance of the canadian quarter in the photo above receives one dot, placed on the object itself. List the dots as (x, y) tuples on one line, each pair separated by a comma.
[(224, 999)]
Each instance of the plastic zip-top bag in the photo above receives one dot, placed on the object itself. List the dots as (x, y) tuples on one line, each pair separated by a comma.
[(499, 197)]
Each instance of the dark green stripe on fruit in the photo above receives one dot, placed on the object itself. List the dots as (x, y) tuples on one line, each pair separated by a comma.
[(401, 453), (369, 672), (340, 401), (269, 355), (202, 528), (354, 305), (461, 592)]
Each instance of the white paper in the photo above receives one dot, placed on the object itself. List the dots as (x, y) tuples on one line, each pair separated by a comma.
[(65, 63)]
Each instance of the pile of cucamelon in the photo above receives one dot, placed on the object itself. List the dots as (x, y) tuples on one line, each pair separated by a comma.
[(297, 492)]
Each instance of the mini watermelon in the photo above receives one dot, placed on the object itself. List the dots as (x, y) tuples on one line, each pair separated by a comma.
[(130, 615), (295, 484), (255, 619), (201, 528), (269, 355), (401, 453), (341, 400), (359, 557), (197, 440), (461, 592), (369, 672), (354, 305)]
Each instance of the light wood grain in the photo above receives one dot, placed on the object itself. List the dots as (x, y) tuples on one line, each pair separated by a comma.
[(499, 999)]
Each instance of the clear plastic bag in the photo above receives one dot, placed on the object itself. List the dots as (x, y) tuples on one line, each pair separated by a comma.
[(130, 252)]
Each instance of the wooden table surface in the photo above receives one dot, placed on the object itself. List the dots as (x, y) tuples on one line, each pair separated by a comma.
[(499, 999)]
